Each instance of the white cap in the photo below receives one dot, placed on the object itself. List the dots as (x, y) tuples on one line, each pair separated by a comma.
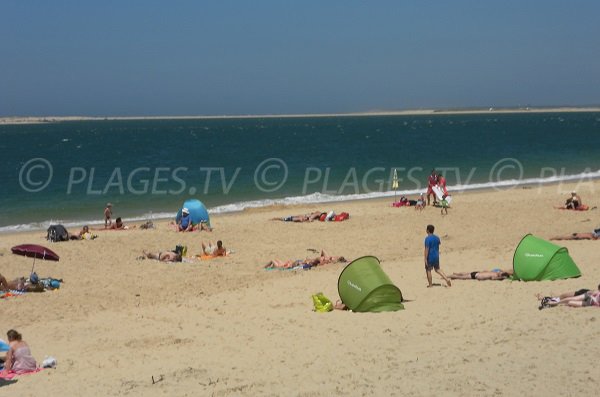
[(185, 211)]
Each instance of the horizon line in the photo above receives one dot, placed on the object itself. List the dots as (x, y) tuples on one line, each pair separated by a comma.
[(5, 120)]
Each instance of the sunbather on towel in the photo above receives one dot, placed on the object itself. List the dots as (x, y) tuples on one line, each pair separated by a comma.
[(165, 256), (595, 235), (583, 298), (20, 284), (214, 251), (308, 262), (496, 274), (300, 218)]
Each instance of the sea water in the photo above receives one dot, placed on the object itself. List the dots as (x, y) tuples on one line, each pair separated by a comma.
[(67, 171)]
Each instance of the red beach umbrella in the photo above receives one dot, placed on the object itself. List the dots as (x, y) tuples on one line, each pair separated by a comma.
[(35, 251)]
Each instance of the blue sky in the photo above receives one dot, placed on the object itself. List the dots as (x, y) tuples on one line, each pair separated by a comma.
[(119, 58)]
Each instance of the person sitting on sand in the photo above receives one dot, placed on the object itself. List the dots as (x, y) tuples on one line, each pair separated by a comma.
[(84, 234), (420, 204), (496, 274), (579, 236), (573, 202), (588, 298), (165, 256), (185, 222), (18, 359), (300, 218), (214, 251), (21, 284), (118, 225)]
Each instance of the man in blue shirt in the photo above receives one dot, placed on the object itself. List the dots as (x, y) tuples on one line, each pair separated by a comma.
[(432, 256), (185, 222)]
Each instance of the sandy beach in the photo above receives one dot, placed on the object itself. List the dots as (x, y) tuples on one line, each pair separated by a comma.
[(226, 327)]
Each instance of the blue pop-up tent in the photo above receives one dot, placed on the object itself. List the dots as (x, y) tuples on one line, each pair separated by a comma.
[(197, 210)]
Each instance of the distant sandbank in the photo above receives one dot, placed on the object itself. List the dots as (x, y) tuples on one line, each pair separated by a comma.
[(411, 112)]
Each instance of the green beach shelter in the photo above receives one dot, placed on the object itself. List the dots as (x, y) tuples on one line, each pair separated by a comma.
[(536, 259), (364, 287)]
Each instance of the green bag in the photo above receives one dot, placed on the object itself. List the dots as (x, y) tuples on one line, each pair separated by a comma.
[(322, 303)]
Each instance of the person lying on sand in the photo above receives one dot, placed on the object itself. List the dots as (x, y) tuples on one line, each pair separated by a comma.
[(300, 218), (569, 294), (165, 256), (20, 284), (323, 259), (588, 298), (118, 225), (496, 274), (214, 251), (579, 236)]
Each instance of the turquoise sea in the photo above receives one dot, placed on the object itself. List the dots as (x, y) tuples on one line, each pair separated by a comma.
[(67, 171)]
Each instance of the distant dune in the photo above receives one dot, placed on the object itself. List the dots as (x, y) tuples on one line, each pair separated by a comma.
[(409, 112)]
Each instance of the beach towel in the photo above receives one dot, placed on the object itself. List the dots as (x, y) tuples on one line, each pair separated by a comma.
[(580, 208), (11, 293), (341, 217), (8, 375)]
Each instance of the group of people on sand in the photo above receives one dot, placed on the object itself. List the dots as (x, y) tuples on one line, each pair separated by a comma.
[(435, 179), (23, 284), (108, 223), (208, 250), (314, 216), (579, 298)]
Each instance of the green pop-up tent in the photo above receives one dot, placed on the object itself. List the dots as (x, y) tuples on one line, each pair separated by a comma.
[(536, 259), (364, 287)]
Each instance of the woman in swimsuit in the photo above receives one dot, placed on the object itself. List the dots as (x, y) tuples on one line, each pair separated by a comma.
[(166, 256), (18, 358)]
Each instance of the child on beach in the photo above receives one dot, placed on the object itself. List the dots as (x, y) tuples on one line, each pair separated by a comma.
[(444, 205), (420, 203), (432, 256), (108, 215)]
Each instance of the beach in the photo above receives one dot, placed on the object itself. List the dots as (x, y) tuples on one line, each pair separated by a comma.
[(227, 327)]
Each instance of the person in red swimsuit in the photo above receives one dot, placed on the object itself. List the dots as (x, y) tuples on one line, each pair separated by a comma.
[(441, 181)]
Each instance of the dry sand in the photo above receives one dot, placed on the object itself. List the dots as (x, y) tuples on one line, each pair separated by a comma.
[(226, 327)]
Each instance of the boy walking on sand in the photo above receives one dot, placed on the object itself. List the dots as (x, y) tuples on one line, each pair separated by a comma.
[(432, 256)]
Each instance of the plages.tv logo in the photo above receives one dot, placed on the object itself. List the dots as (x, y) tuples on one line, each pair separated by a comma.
[(534, 255), (350, 283)]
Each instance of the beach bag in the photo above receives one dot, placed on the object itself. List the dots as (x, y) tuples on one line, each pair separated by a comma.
[(57, 233), (321, 303)]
